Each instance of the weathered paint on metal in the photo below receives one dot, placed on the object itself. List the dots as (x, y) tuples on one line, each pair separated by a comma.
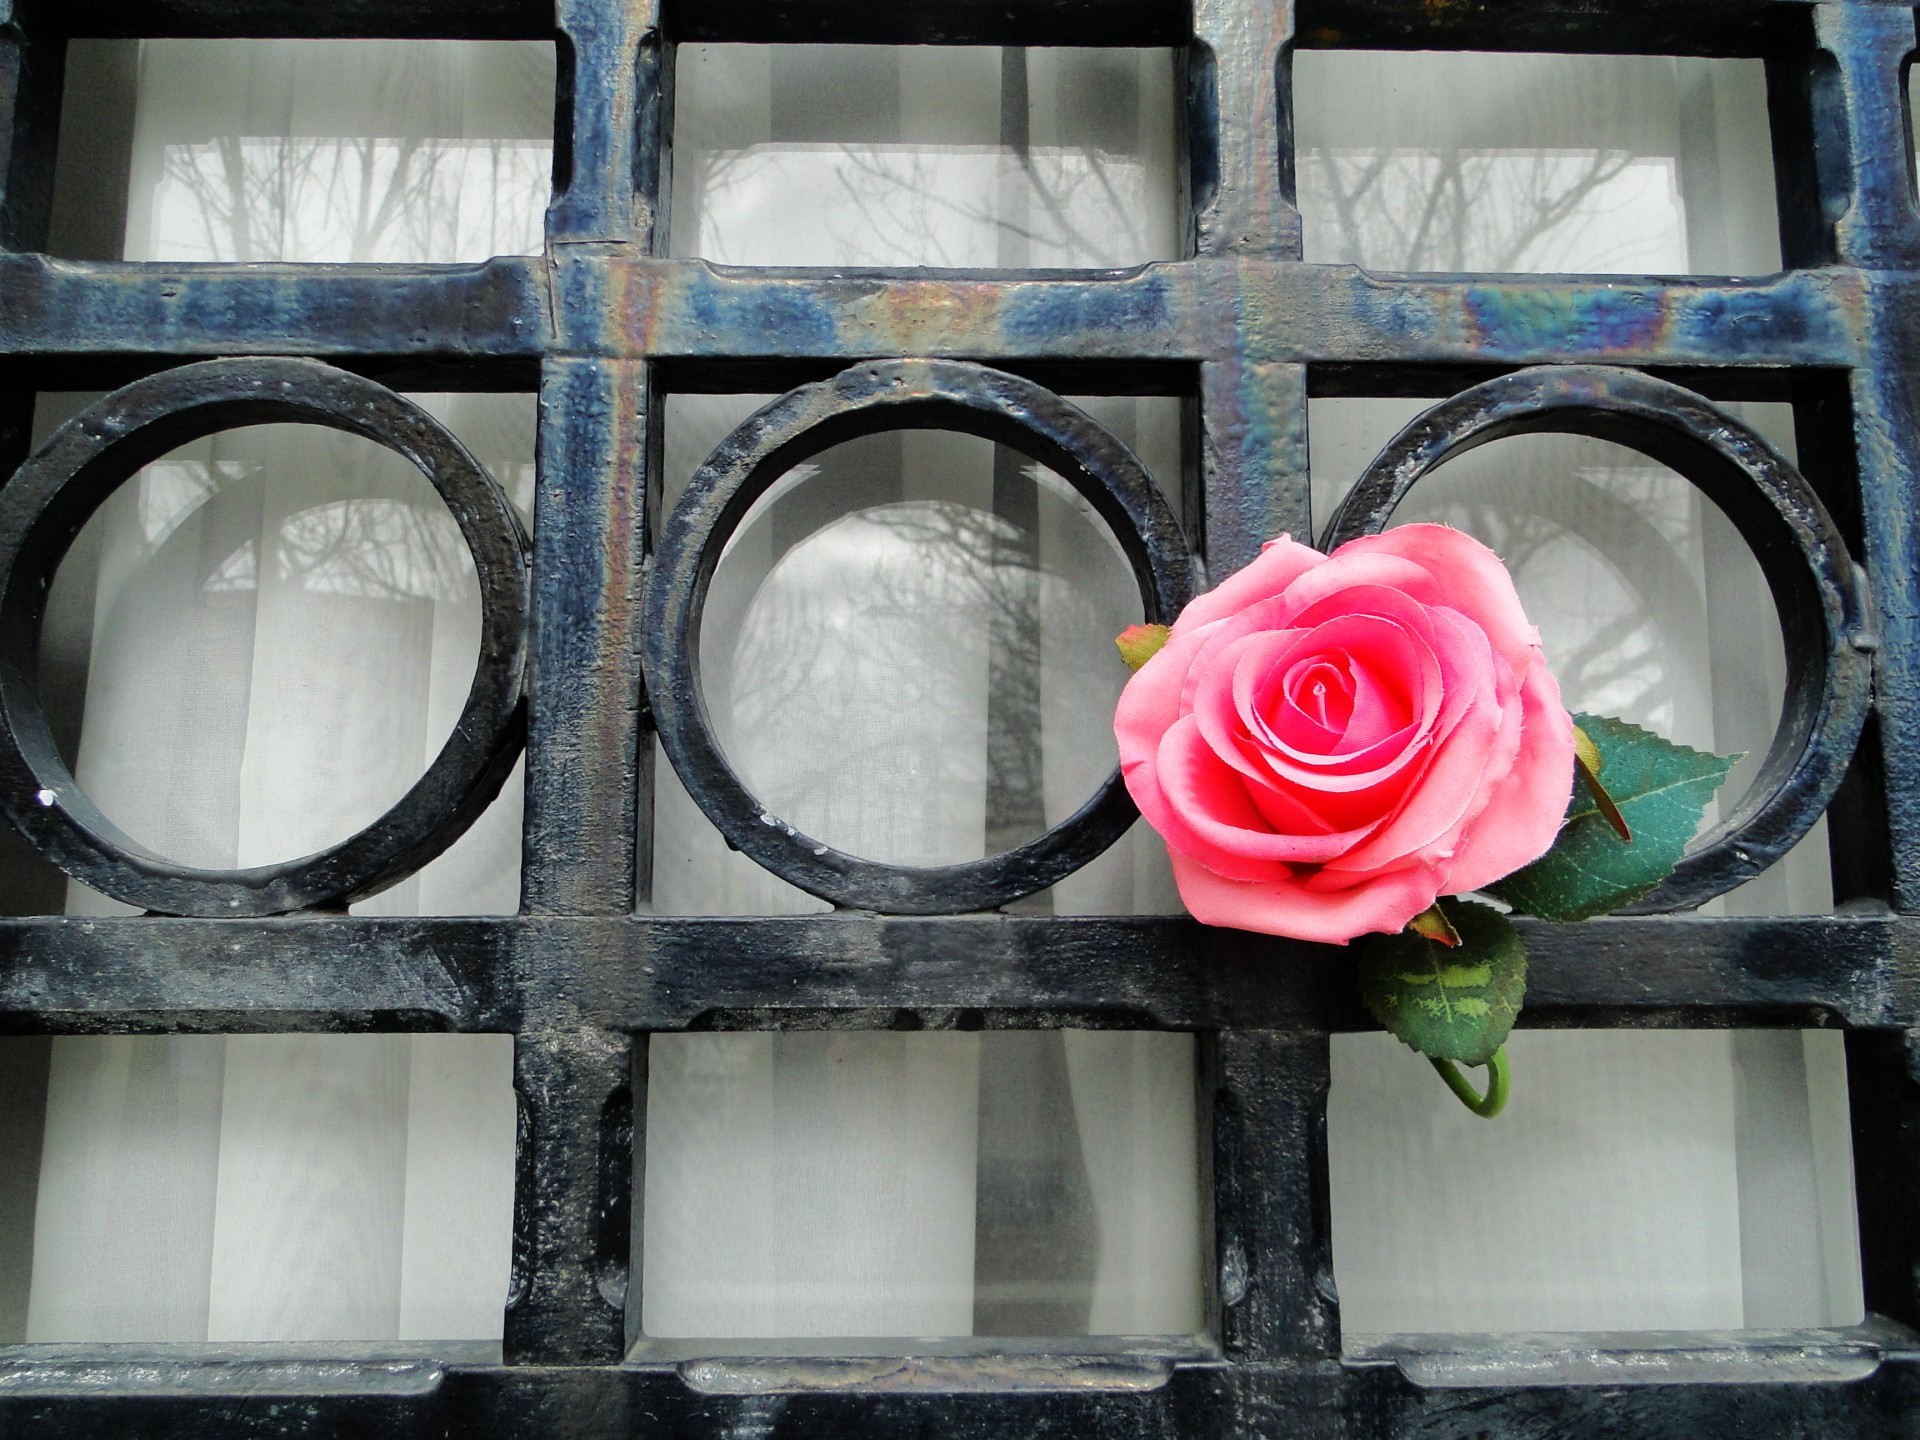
[(640, 973), (620, 307)]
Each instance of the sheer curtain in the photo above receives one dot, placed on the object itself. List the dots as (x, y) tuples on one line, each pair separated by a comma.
[(907, 650), (1646, 1179), (275, 628)]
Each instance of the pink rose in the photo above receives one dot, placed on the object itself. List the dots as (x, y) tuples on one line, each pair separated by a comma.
[(1329, 743)]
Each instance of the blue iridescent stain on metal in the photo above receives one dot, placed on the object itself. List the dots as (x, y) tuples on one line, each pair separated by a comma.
[(1502, 319), (756, 319), (1737, 322), (1038, 314), (1799, 319)]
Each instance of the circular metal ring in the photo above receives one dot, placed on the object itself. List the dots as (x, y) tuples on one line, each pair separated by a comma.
[(891, 395), (50, 497), (1815, 585)]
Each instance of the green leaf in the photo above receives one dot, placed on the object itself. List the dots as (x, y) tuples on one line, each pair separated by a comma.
[(1662, 790), (1451, 1004)]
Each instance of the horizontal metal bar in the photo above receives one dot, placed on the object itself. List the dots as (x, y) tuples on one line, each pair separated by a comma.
[(1184, 311), (376, 19), (1653, 27), (1620, 27), (1208, 308), (78, 310), (988, 1395), (935, 22), (74, 975)]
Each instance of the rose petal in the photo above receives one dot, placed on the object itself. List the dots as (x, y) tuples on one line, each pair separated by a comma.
[(1469, 577), (1348, 569), (1288, 907), (1150, 703), (1439, 853), (1289, 808), (1214, 705), (1266, 617), (1376, 712), (1389, 672), (1451, 788), (1523, 815), (1385, 645), (1206, 813), (1278, 565), (1317, 696)]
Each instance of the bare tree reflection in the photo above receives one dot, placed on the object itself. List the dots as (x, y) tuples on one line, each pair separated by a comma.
[(1088, 208), (891, 175), (894, 659), (1454, 210), (348, 198), (1492, 162)]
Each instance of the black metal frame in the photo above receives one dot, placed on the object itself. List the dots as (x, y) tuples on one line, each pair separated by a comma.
[(1246, 332)]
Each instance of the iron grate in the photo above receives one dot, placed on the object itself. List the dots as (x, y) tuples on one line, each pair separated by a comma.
[(1245, 331)]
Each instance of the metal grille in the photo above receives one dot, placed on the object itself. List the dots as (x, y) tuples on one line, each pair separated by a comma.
[(1245, 332)]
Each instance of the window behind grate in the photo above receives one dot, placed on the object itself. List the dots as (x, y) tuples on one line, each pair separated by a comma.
[(1577, 163), (955, 156)]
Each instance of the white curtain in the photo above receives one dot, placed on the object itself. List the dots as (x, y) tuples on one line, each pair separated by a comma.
[(924, 155), (278, 627), (1642, 1179)]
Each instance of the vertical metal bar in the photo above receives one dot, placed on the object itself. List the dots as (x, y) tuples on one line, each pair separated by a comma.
[(1848, 198), (1275, 1265), (1271, 1221), (1883, 1089), (1851, 86), (583, 730), (1859, 113), (32, 75), (1253, 459), (589, 791), (1253, 425), (1240, 131), (25, 1064), (568, 1304), (616, 71)]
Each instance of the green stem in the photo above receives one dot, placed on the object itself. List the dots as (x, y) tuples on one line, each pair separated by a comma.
[(1498, 1083)]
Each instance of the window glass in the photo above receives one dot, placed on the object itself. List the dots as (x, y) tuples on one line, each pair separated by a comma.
[(240, 623), (957, 156), (867, 1184), (321, 150), (1637, 1180), (268, 1187), (1578, 163)]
